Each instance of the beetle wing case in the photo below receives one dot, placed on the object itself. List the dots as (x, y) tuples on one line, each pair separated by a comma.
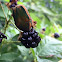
[(22, 18)]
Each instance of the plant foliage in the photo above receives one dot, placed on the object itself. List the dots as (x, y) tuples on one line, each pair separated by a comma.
[(48, 14)]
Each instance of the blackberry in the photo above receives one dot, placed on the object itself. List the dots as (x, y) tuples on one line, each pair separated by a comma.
[(56, 35), (35, 34), (13, 5), (23, 40), (11, 0), (38, 39), (30, 39), (27, 45), (44, 29), (0, 40), (25, 35), (2, 36), (31, 32), (33, 45)]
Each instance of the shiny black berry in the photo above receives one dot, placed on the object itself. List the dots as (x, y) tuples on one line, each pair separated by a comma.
[(30, 38), (2, 36), (33, 45), (43, 29), (56, 35), (23, 40), (11, 0), (31, 31), (0, 40), (25, 34), (35, 35), (38, 39), (27, 45), (13, 5)]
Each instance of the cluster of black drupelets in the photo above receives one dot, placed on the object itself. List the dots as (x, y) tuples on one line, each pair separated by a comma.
[(2, 36), (13, 5), (30, 39)]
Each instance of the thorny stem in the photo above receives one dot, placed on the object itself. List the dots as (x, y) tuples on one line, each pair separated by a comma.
[(4, 12), (6, 25), (6, 22)]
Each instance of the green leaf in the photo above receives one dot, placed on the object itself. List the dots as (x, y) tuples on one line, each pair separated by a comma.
[(23, 50), (26, 0), (7, 0), (15, 38), (54, 59), (9, 56), (50, 46), (19, 59), (19, 3), (46, 10), (5, 61), (25, 53), (12, 32), (35, 18), (8, 48)]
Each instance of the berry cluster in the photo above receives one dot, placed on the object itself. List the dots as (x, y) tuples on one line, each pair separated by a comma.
[(10, 0), (30, 39), (14, 3), (56, 35), (2, 36)]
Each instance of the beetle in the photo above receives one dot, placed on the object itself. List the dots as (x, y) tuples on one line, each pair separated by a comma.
[(21, 16)]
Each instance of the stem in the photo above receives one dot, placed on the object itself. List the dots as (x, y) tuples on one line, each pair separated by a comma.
[(16, 27), (34, 55), (4, 12), (6, 25), (11, 42), (6, 22)]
